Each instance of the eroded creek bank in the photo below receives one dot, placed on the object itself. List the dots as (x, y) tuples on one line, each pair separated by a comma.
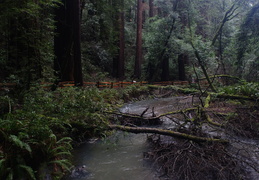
[(127, 156)]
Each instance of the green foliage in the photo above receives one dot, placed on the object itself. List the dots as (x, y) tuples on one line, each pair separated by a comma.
[(39, 134), (26, 49), (71, 105), (135, 92), (100, 34), (15, 151), (247, 89), (27, 141), (159, 44)]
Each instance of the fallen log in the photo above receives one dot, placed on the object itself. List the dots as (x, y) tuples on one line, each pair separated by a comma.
[(152, 117), (166, 133)]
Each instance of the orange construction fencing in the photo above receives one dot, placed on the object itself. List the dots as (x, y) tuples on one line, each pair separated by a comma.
[(120, 84)]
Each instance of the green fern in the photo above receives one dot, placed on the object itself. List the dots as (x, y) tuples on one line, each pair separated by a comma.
[(29, 171), (20, 143), (64, 163)]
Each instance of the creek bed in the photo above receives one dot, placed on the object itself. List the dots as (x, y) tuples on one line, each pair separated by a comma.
[(121, 155), (118, 157)]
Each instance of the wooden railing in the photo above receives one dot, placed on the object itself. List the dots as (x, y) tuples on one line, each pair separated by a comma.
[(100, 84), (166, 83)]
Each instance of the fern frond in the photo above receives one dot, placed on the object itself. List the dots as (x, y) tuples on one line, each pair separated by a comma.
[(2, 163), (20, 143), (10, 176), (64, 163), (29, 170), (64, 140), (63, 153)]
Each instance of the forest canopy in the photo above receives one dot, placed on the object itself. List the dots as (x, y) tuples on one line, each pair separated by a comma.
[(155, 40)]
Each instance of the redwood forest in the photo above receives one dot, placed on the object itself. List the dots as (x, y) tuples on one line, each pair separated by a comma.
[(129, 89)]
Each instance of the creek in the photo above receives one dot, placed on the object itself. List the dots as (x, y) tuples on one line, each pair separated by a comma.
[(120, 156)]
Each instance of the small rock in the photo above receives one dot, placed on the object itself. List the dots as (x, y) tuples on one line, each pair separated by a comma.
[(79, 172)]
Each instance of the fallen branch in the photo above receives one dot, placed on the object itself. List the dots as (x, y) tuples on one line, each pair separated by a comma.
[(167, 133), (210, 121), (150, 118)]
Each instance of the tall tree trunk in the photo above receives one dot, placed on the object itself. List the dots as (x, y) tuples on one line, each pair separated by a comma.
[(116, 25), (58, 40), (121, 62), (165, 68), (222, 69), (63, 42), (151, 8), (182, 59), (138, 58), (78, 76), (68, 61), (67, 48)]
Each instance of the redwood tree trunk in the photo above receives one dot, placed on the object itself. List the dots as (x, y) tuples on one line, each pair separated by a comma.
[(182, 59), (121, 62), (165, 68), (78, 76), (58, 40), (67, 62), (151, 8), (138, 59), (67, 67)]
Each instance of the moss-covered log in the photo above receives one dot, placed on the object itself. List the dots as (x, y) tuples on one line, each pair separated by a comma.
[(166, 133), (210, 121)]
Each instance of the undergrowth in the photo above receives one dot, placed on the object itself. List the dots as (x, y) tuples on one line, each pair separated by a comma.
[(250, 89), (39, 132)]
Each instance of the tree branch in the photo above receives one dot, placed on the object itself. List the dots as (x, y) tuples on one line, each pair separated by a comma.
[(167, 133)]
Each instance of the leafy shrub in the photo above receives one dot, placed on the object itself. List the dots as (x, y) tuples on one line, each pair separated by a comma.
[(39, 134), (27, 141), (134, 91)]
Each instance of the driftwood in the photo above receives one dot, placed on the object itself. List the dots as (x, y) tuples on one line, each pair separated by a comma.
[(167, 133)]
